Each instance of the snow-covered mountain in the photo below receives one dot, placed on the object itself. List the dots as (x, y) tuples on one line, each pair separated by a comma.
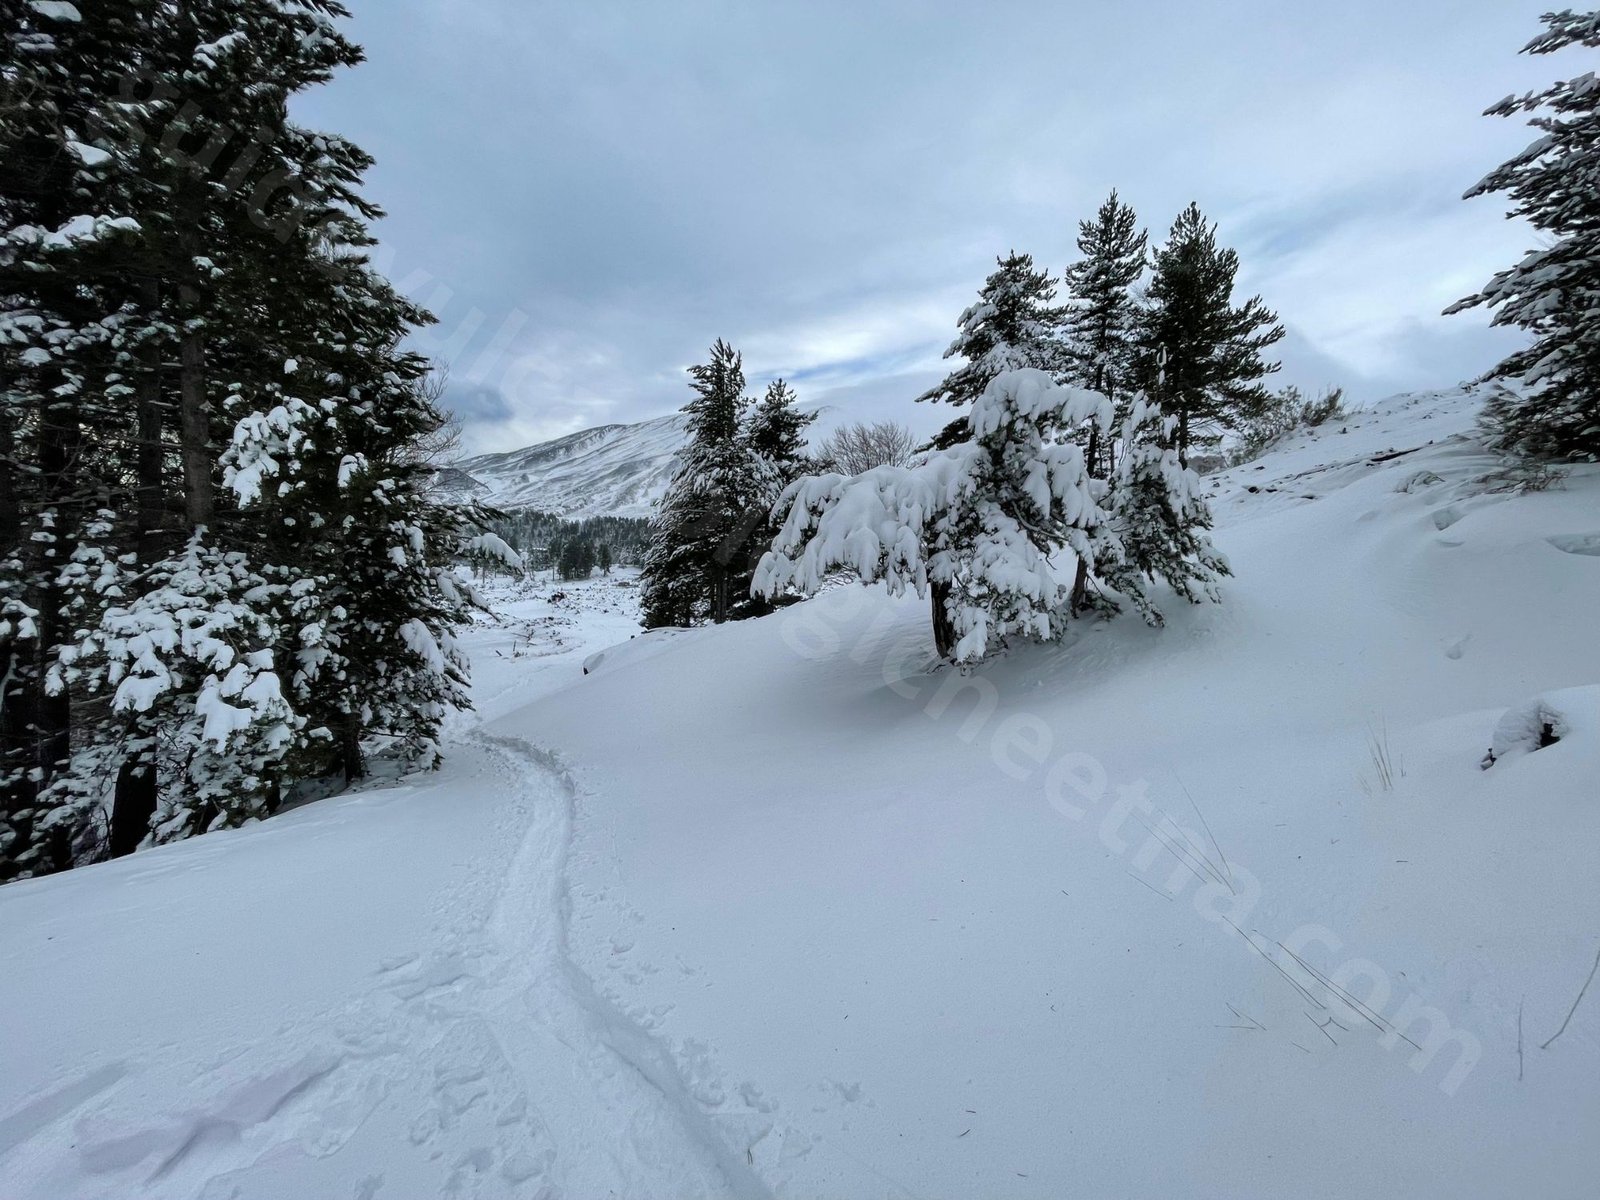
[(612, 470)]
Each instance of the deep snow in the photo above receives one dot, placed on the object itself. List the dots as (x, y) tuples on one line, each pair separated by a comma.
[(775, 908)]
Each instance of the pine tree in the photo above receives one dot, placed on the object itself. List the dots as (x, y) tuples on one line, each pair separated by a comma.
[(240, 580), (1101, 320), (66, 223), (1100, 328), (977, 527), (1200, 355), (1159, 517), (715, 501), (1554, 292), (1013, 325), (777, 435), (568, 562), (604, 558), (778, 431)]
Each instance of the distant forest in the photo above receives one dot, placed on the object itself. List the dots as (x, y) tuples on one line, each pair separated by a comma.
[(548, 540)]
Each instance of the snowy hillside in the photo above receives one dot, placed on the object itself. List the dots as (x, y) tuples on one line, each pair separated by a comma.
[(781, 908), (613, 470)]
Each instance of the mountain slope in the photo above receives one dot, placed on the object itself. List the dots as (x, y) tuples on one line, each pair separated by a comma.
[(782, 908), (612, 470), (925, 933)]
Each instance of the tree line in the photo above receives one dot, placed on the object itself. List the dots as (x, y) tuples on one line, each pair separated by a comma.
[(547, 540), (223, 573)]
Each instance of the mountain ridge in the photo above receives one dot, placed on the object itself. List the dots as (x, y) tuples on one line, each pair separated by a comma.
[(614, 470)]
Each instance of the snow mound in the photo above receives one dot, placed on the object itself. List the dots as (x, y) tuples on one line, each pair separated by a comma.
[(646, 645), (1545, 720)]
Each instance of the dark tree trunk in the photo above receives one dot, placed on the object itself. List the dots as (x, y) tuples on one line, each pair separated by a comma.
[(1080, 585), (134, 802), (18, 663), (195, 417), (59, 442), (353, 761), (944, 630)]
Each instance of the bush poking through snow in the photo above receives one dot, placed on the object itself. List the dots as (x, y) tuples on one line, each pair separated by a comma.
[(1526, 727)]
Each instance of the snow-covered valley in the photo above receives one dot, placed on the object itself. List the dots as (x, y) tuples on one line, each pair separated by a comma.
[(1229, 908)]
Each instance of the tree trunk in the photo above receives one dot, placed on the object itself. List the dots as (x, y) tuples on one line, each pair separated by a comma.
[(355, 765), (18, 664), (195, 416), (719, 594), (60, 439), (133, 804), (1080, 585), (944, 630)]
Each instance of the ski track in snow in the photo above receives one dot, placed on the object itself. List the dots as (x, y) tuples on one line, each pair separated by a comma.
[(483, 1065)]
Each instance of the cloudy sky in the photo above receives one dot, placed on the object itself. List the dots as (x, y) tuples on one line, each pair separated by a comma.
[(588, 193)]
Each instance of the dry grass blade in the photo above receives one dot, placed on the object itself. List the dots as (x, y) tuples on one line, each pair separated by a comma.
[(1206, 825), (1275, 964), (1385, 763), (1201, 867), (1575, 1003), (1356, 1006)]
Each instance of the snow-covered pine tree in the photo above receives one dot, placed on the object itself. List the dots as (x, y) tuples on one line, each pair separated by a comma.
[(777, 434), (986, 527), (1554, 292), (778, 431), (190, 261), (1099, 327), (1014, 324), (715, 500), (324, 433), (1101, 315), (1214, 364), (66, 225), (1159, 517)]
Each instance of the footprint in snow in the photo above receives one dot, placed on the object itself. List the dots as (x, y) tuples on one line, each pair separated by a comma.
[(1585, 544)]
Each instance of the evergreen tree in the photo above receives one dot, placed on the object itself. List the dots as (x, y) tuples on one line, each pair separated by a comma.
[(604, 558), (715, 501), (778, 431), (1101, 320), (1554, 292), (67, 221), (567, 564), (240, 580), (1159, 517), (777, 435), (976, 526), (1013, 325), (1200, 355)]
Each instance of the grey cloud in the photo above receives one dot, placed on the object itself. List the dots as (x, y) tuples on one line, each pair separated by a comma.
[(595, 192)]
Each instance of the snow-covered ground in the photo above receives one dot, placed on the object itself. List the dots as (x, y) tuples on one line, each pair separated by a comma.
[(1225, 909)]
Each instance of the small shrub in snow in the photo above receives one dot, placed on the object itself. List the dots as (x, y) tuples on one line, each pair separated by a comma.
[(1526, 727)]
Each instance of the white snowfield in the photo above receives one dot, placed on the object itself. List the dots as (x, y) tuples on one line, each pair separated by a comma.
[(1231, 908)]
